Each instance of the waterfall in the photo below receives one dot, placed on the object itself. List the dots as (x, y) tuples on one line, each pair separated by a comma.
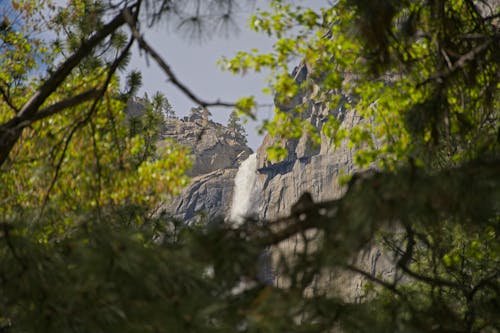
[(244, 185), (244, 197)]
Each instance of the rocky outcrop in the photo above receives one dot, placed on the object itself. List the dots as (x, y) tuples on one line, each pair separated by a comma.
[(213, 146), (207, 195), (217, 153)]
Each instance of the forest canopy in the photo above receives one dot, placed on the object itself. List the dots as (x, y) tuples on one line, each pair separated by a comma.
[(83, 249)]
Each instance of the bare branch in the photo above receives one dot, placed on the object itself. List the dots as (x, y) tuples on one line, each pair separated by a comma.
[(459, 64), (166, 68), (389, 286), (431, 280), (484, 283)]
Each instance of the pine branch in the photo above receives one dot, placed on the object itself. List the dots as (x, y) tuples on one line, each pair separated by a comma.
[(10, 130)]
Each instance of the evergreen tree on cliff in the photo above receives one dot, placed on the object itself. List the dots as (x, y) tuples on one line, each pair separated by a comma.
[(234, 125), (162, 105), (83, 249)]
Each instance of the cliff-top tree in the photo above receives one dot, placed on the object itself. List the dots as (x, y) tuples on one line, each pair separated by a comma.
[(234, 125), (82, 248), (162, 105)]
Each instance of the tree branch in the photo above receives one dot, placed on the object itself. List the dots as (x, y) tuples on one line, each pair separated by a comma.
[(98, 95), (368, 276), (9, 131), (166, 68), (67, 66), (459, 64), (377, 198), (62, 105), (7, 100)]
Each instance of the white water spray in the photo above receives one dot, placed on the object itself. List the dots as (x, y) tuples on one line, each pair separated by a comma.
[(244, 199), (244, 185)]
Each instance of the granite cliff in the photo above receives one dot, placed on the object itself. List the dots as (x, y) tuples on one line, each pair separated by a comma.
[(313, 169), (307, 168), (217, 152), (277, 185), (217, 155)]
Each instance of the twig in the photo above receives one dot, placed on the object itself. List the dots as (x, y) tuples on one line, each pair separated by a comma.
[(59, 164), (483, 283)]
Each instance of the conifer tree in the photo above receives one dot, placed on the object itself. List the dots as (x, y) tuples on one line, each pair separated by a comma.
[(234, 125), (161, 104)]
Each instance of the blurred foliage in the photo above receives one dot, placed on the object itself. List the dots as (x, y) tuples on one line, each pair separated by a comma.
[(84, 247)]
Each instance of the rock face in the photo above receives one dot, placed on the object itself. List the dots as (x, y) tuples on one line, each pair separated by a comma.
[(217, 153), (207, 195), (307, 168), (213, 145), (316, 170)]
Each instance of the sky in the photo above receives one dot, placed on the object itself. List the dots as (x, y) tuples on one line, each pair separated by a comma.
[(195, 64)]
